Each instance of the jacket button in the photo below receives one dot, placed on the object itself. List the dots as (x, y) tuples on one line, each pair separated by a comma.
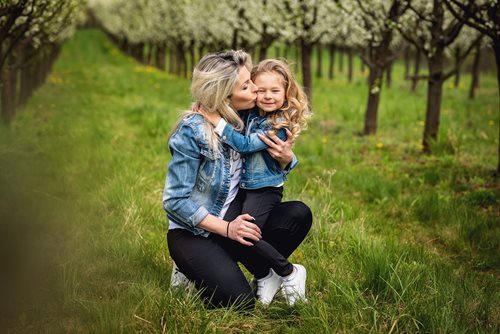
[(243, 171), (243, 184), (224, 137)]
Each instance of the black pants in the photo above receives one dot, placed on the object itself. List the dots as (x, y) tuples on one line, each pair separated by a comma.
[(259, 203), (211, 263)]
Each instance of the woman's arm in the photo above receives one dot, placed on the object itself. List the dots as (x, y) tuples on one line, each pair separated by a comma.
[(240, 228), (181, 179)]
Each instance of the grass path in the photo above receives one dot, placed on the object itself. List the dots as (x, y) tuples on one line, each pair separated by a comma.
[(401, 242)]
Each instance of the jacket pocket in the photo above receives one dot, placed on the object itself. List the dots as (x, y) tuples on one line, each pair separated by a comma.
[(206, 172)]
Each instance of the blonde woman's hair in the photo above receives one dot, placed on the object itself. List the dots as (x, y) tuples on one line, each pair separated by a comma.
[(295, 110), (214, 79)]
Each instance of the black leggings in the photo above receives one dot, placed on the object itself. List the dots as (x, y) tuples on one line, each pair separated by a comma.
[(211, 263), (259, 203)]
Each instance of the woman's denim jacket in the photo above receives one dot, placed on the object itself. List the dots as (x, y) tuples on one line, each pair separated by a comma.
[(259, 168), (197, 181)]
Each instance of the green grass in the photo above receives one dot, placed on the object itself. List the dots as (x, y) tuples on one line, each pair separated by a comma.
[(401, 241)]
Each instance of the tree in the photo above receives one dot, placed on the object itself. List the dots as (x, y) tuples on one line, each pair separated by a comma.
[(431, 28), (483, 15), (377, 21), (461, 44), (306, 22), (31, 33)]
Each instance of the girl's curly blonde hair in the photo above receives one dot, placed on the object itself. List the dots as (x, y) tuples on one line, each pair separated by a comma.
[(295, 110)]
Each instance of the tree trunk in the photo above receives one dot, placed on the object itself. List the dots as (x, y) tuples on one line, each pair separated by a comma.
[(8, 96), (277, 51), (362, 65), (496, 48), (201, 49), (407, 63), (475, 72), (416, 71), (457, 66), (26, 84), (180, 60), (350, 64), (234, 41), (192, 58), (319, 66), (141, 54), (375, 79), (434, 96), (341, 60), (149, 54), (262, 52), (286, 51), (297, 57), (331, 63), (160, 56), (171, 61), (306, 51), (389, 75)]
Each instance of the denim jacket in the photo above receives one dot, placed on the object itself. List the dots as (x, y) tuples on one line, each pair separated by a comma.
[(259, 168), (197, 181)]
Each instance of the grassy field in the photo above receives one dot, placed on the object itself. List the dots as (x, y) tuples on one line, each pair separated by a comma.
[(401, 241)]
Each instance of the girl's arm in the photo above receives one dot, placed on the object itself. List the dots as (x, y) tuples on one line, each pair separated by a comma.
[(239, 142), (244, 143), (279, 146)]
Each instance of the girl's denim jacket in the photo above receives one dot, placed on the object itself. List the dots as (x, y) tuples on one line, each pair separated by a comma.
[(259, 168), (198, 180)]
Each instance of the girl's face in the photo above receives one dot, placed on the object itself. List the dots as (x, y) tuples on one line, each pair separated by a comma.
[(271, 91), (244, 93)]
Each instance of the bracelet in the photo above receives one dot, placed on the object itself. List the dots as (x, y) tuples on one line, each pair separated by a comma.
[(227, 229)]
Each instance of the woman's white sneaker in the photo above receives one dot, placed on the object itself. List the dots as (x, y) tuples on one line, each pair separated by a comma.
[(294, 285), (267, 287), (178, 280)]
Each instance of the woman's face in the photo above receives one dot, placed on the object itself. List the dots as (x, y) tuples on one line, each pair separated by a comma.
[(244, 93)]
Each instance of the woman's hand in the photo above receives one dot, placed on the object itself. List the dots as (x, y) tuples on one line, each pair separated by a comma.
[(243, 227), (278, 149)]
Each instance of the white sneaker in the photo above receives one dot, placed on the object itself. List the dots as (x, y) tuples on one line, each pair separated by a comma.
[(294, 285), (178, 280), (267, 287)]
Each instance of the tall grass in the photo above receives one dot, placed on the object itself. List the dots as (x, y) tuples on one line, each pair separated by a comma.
[(401, 241)]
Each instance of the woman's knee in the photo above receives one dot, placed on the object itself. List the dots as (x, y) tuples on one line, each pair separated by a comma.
[(300, 213)]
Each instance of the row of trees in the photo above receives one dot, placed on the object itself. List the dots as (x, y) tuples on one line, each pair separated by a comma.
[(380, 31), (31, 35)]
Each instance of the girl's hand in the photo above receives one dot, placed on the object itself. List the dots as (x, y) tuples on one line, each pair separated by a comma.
[(212, 117), (243, 227), (279, 150)]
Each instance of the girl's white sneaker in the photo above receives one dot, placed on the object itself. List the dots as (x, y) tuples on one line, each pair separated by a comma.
[(294, 285)]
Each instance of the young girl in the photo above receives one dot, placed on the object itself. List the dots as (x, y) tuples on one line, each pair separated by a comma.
[(282, 105)]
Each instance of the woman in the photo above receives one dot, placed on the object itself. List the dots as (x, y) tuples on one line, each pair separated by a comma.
[(208, 234)]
